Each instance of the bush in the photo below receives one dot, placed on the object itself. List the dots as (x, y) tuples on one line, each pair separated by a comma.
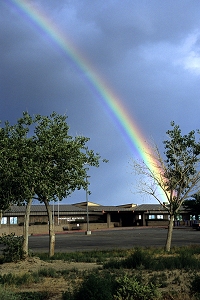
[(138, 259), (14, 247), (8, 295), (49, 272), (7, 279), (195, 285), (113, 264), (183, 260), (12, 279), (187, 261), (128, 288), (44, 295), (96, 286)]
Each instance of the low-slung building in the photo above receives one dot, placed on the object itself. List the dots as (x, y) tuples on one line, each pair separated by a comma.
[(78, 216), (81, 215)]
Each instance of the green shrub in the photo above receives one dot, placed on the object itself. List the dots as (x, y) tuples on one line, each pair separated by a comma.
[(128, 288), (8, 295), (86, 256), (137, 260), (96, 286), (187, 261), (44, 295), (23, 279), (12, 279), (13, 250), (159, 279), (7, 279), (183, 260), (195, 285), (67, 295), (113, 264), (48, 272), (140, 258)]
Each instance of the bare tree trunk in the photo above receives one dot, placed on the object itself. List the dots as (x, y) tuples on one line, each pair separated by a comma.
[(26, 226), (169, 233), (1, 216), (51, 229)]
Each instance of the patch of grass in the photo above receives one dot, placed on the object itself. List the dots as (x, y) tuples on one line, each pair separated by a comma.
[(183, 260), (195, 285), (105, 286), (95, 286), (7, 294), (148, 260), (138, 260), (159, 279), (12, 279), (86, 256), (138, 268), (130, 288), (48, 272), (72, 274), (44, 295)]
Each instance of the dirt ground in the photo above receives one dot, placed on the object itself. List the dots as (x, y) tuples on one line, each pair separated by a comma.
[(177, 280), (34, 264)]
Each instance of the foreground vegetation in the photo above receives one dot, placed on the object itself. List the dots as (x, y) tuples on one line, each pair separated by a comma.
[(136, 274)]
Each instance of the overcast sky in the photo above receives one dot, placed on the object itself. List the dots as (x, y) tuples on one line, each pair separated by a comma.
[(147, 52)]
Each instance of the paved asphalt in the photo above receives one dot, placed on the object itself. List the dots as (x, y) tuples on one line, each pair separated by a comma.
[(115, 239)]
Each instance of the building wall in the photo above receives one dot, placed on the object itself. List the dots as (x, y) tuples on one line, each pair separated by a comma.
[(97, 220), (43, 229)]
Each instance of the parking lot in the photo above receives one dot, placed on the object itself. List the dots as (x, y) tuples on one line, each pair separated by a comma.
[(115, 239)]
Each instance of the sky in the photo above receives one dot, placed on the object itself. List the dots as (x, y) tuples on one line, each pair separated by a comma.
[(146, 53)]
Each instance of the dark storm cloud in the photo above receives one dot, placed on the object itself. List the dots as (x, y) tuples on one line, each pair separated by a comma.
[(148, 52)]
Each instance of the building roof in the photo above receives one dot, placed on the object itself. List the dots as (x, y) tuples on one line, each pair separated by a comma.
[(110, 208), (67, 209), (85, 203), (41, 209), (155, 208), (150, 207)]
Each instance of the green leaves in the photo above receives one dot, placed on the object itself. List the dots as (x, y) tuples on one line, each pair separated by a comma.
[(182, 158), (39, 158), (13, 250)]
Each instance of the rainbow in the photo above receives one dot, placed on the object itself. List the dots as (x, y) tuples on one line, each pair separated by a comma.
[(110, 101)]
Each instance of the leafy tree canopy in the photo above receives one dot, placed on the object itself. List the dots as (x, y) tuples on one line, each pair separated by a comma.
[(177, 174), (181, 173), (39, 158), (193, 204)]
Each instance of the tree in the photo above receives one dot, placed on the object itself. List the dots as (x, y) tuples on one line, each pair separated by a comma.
[(48, 165), (177, 176), (60, 161), (16, 168), (193, 204), (14, 151)]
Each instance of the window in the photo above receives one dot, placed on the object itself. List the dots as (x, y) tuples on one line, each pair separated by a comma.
[(139, 217), (179, 218), (152, 217), (13, 220), (159, 217), (4, 220)]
